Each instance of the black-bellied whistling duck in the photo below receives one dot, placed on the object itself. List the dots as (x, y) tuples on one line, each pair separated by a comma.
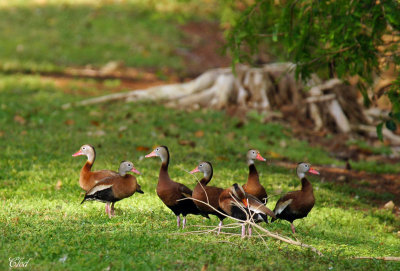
[(172, 193), (297, 204), (253, 186), (115, 188), (241, 205), (88, 178), (208, 194)]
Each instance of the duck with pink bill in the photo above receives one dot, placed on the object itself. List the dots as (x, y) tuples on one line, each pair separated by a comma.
[(253, 185), (174, 195), (115, 188), (88, 178), (208, 194), (297, 204)]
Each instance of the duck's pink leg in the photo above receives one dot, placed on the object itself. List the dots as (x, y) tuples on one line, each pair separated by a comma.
[(107, 206), (250, 230), (184, 222), (219, 227), (112, 209), (243, 230), (109, 212), (293, 229), (178, 221)]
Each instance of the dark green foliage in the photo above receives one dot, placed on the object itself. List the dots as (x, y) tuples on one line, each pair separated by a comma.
[(333, 38)]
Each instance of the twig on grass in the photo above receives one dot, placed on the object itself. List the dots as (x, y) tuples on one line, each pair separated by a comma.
[(251, 223), (388, 258)]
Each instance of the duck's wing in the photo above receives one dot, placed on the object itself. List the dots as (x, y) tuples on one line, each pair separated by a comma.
[(255, 205)]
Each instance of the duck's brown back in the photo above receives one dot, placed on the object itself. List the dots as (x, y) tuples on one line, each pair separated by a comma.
[(124, 186), (207, 194), (225, 201), (170, 192), (88, 178), (302, 201)]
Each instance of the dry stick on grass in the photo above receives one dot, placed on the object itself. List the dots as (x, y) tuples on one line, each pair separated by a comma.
[(397, 259), (267, 233), (253, 224)]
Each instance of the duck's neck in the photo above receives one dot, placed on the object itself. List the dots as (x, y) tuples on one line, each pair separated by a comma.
[(87, 166), (253, 174), (164, 176), (250, 162), (306, 185), (207, 178), (90, 160), (165, 159), (91, 156)]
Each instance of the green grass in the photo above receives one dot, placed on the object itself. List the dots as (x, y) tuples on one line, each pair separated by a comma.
[(48, 38), (48, 225)]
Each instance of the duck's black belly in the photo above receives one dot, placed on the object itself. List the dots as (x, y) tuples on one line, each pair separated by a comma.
[(291, 215), (184, 207), (105, 195)]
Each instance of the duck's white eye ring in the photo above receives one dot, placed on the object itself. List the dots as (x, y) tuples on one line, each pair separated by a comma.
[(157, 149), (306, 165), (200, 165), (84, 148)]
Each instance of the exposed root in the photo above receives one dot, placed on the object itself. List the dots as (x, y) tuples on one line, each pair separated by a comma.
[(331, 105)]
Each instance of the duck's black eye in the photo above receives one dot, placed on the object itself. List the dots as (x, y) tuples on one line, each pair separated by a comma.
[(83, 148), (129, 165), (157, 149), (306, 165), (200, 165)]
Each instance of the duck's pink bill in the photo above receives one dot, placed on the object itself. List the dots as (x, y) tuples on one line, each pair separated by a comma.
[(259, 157), (152, 154), (135, 171), (195, 170), (313, 171), (77, 153)]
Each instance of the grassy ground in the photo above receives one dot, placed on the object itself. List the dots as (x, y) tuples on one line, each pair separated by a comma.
[(49, 37), (44, 222)]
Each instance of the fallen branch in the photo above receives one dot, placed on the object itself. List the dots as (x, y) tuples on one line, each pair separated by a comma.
[(265, 233), (251, 223), (388, 258)]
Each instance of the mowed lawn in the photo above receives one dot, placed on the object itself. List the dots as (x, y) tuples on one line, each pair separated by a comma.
[(42, 219)]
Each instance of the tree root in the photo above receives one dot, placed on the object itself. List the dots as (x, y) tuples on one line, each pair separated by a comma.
[(331, 105)]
